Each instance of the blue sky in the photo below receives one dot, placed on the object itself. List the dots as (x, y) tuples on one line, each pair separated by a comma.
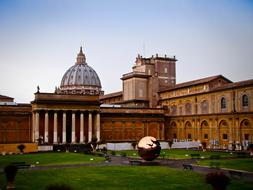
[(39, 40)]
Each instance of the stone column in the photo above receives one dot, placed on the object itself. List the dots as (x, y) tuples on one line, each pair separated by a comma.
[(33, 127), (90, 127), (55, 127), (46, 128), (73, 128), (98, 126), (81, 127), (64, 127), (37, 126)]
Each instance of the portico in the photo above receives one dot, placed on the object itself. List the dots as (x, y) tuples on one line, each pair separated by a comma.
[(66, 126), (71, 119)]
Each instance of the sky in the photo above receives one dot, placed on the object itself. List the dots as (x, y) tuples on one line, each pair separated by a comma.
[(39, 40)]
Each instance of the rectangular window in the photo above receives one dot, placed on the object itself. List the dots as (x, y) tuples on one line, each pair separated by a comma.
[(189, 136), (165, 70), (205, 136), (225, 136), (174, 136), (246, 136)]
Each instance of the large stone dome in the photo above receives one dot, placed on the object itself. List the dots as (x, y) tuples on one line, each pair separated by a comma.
[(80, 79)]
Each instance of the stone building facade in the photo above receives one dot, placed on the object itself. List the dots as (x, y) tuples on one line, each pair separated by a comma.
[(213, 110)]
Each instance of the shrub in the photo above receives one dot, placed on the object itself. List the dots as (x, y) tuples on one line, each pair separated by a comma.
[(104, 150), (218, 180), (170, 142), (113, 153), (10, 173)]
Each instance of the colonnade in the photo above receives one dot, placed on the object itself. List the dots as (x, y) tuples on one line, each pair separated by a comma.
[(93, 119)]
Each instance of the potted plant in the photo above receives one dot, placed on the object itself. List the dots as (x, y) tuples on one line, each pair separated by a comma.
[(134, 144), (94, 143), (204, 146), (170, 142), (218, 180), (21, 148), (250, 147), (10, 173)]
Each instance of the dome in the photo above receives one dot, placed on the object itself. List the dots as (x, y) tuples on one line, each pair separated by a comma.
[(80, 79)]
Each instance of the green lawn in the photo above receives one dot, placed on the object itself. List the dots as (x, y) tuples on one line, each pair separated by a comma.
[(43, 159), (238, 164), (117, 177), (180, 154)]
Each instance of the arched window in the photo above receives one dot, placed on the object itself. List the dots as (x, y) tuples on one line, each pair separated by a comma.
[(188, 109), (223, 103), (204, 107), (245, 100), (173, 125), (174, 110)]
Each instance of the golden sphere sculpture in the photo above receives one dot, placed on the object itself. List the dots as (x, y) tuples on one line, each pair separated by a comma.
[(149, 148)]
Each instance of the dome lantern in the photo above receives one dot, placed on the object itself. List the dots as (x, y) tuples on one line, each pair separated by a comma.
[(80, 79), (81, 57)]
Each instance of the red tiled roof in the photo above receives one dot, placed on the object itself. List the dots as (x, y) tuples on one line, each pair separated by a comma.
[(114, 94), (196, 82), (235, 85)]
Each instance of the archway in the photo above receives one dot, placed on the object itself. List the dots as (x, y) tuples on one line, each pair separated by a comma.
[(204, 131), (223, 134), (246, 132), (188, 131)]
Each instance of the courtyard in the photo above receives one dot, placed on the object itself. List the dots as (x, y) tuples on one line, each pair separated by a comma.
[(85, 171)]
